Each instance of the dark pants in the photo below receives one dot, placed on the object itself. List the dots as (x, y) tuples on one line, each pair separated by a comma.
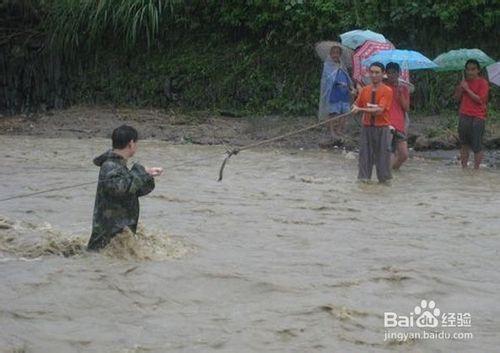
[(470, 132), (375, 148), (397, 137)]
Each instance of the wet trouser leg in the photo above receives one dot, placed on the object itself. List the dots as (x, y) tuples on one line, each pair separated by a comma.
[(382, 152), (374, 149), (365, 154)]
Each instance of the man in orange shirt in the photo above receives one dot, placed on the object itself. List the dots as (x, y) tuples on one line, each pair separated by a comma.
[(374, 101), (473, 95)]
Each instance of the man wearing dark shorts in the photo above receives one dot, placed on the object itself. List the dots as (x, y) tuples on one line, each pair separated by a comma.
[(473, 95)]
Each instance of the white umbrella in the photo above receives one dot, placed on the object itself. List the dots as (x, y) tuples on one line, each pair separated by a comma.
[(358, 37), (494, 73), (323, 51)]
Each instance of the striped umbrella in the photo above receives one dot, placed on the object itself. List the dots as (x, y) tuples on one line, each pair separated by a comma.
[(360, 72)]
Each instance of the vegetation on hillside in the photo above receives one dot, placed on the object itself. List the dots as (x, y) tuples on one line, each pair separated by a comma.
[(253, 56)]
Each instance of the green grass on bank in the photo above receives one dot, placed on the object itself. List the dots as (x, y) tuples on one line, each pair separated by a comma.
[(241, 78)]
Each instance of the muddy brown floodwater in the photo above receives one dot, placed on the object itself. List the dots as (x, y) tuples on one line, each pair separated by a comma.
[(288, 254)]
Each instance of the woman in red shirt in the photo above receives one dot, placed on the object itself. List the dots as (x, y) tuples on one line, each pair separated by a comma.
[(473, 95)]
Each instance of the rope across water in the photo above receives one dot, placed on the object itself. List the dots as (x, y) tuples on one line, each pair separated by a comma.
[(235, 151), (229, 153)]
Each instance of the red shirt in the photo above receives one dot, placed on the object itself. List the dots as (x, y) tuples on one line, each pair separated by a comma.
[(396, 111), (467, 106), (383, 98)]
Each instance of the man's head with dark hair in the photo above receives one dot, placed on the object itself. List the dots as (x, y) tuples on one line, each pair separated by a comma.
[(393, 66), (124, 140), (377, 70), (123, 135), (393, 70), (379, 65), (472, 69)]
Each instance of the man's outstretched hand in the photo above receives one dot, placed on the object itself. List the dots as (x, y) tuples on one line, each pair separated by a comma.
[(154, 171)]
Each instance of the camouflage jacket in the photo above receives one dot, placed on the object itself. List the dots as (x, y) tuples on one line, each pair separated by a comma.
[(117, 198)]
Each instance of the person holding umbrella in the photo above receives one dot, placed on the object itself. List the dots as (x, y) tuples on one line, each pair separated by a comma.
[(400, 61), (336, 90), (473, 95)]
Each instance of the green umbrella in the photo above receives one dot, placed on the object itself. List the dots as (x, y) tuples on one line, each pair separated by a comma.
[(455, 60)]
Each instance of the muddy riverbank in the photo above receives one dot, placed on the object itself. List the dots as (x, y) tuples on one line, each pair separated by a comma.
[(208, 128)]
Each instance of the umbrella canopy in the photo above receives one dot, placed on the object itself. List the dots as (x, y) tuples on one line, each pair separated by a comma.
[(358, 37), (494, 73), (455, 60), (407, 59), (364, 52), (323, 51)]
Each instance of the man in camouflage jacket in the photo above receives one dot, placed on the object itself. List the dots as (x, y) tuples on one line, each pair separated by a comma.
[(118, 190)]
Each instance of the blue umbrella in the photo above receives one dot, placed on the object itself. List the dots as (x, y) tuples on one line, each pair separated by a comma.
[(407, 59), (354, 39)]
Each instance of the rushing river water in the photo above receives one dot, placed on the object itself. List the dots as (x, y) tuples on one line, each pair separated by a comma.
[(288, 254)]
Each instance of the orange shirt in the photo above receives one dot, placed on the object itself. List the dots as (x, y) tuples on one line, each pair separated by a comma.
[(383, 98)]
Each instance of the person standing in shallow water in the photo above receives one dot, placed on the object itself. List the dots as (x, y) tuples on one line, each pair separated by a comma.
[(399, 107), (374, 101), (119, 188), (473, 95)]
